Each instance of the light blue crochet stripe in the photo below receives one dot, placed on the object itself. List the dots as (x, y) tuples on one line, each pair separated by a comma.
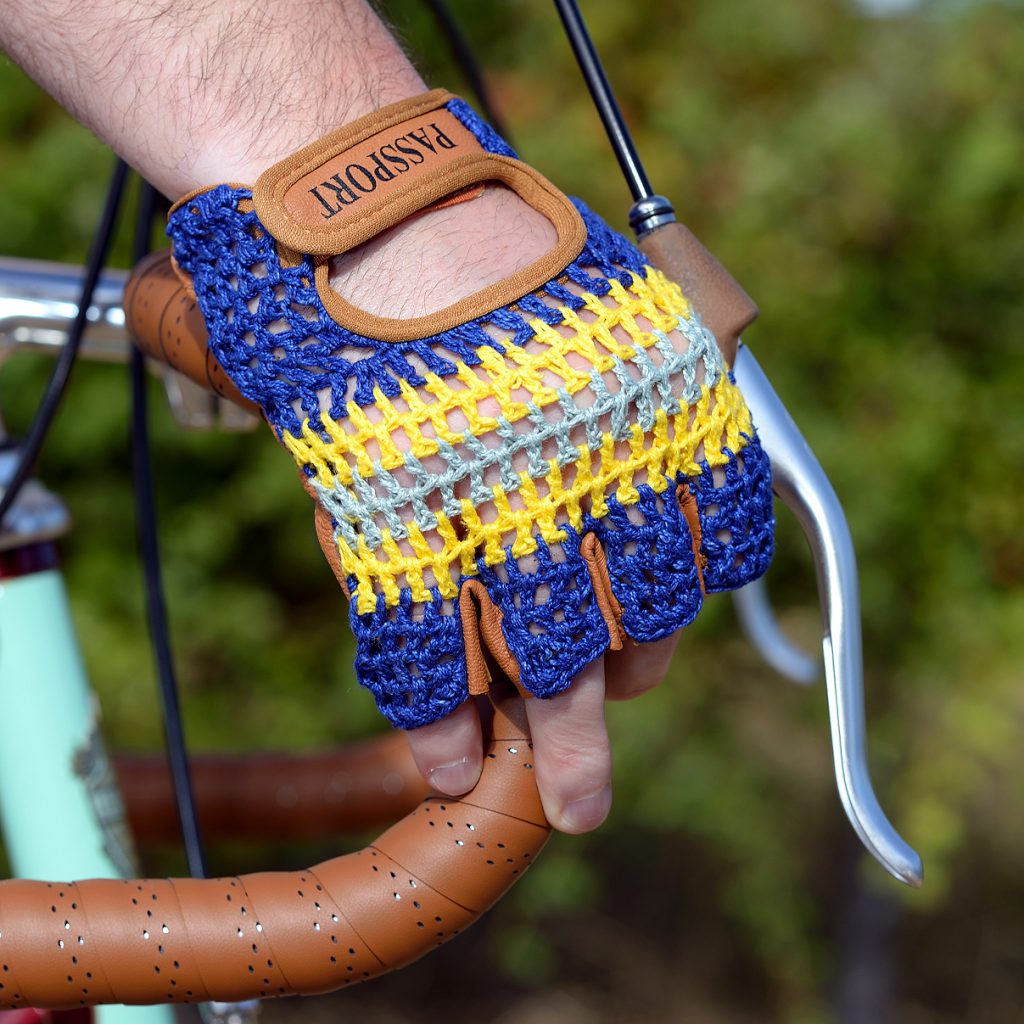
[(357, 509)]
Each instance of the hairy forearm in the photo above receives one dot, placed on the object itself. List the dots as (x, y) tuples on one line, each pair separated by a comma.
[(197, 91)]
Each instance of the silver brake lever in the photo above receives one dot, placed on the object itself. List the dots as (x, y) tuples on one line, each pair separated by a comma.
[(753, 609), (801, 483)]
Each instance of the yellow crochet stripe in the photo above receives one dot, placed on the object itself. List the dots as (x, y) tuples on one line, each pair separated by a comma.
[(657, 299), (716, 420), (380, 570)]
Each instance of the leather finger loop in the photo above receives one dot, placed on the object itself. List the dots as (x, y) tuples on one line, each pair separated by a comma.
[(611, 610), (691, 513), (481, 629)]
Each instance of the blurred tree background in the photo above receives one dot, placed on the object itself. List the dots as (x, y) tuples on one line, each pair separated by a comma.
[(859, 169)]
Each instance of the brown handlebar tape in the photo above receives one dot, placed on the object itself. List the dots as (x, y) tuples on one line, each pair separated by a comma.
[(164, 321), (349, 185), (426, 879)]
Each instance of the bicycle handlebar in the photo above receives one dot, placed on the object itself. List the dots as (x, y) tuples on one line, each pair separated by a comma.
[(309, 796), (344, 921), (349, 919), (164, 321)]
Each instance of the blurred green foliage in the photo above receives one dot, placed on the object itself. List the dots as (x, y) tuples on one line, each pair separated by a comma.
[(862, 177)]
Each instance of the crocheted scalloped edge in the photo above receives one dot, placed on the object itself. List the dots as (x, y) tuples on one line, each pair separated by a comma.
[(412, 657)]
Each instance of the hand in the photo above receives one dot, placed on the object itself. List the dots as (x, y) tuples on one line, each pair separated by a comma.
[(572, 754), (550, 466), (158, 86)]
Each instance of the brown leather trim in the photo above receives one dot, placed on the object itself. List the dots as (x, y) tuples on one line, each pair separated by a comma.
[(289, 258), (300, 229), (478, 675), (611, 611), (688, 506), (272, 188), (345, 185), (329, 546), (531, 186), (481, 626), (467, 194), (325, 535)]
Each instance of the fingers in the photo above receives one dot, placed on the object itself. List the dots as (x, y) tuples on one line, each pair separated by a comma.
[(572, 754), (449, 753), (570, 739), (638, 668)]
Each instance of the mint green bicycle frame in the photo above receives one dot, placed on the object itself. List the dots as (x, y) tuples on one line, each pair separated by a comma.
[(61, 815)]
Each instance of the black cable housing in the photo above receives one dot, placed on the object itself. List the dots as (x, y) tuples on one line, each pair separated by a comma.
[(58, 382), (604, 98), (156, 605)]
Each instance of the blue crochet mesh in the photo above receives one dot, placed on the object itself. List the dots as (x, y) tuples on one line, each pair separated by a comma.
[(651, 565), (485, 134), (269, 330), (411, 657), (736, 519), (550, 617)]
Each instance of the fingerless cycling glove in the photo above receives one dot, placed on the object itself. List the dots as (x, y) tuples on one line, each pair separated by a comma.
[(554, 466)]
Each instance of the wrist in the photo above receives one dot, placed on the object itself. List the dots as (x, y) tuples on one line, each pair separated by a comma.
[(212, 90), (442, 256), (329, 67)]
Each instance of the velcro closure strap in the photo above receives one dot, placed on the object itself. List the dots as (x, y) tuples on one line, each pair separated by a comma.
[(369, 175)]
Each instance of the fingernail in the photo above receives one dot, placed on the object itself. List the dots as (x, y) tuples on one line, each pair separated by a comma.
[(456, 778), (586, 814)]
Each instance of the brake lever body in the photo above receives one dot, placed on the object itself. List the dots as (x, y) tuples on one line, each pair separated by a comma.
[(800, 482)]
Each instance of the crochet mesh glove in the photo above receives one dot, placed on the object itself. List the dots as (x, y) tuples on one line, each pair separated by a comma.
[(554, 466)]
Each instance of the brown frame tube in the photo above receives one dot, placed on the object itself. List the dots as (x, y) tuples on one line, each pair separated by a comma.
[(256, 796)]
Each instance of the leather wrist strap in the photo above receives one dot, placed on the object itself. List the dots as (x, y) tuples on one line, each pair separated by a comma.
[(370, 175)]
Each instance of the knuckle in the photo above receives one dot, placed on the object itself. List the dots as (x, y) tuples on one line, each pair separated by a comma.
[(634, 687), (572, 766)]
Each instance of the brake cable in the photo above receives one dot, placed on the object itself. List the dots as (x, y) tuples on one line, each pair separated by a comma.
[(57, 385), (149, 551), (650, 210)]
